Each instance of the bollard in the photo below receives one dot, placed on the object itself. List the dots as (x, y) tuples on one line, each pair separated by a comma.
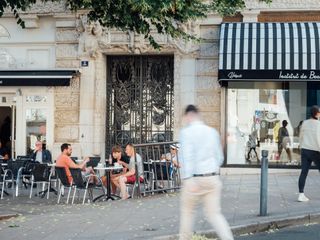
[(264, 183)]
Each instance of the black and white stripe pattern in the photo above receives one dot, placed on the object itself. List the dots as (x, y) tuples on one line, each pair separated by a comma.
[(269, 46)]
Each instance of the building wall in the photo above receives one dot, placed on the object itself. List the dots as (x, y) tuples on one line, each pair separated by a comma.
[(57, 38)]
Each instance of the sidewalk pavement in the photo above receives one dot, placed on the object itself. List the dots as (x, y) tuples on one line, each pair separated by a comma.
[(157, 216)]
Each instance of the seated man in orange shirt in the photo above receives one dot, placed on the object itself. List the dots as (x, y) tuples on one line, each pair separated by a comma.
[(65, 161)]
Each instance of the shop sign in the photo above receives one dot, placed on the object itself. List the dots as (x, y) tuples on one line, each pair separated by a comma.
[(277, 75)]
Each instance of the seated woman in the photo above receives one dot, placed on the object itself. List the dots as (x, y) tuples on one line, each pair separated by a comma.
[(171, 157), (120, 158)]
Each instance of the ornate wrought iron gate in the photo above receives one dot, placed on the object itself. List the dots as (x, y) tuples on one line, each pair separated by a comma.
[(139, 100)]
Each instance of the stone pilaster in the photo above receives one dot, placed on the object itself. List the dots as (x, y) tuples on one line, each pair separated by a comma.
[(67, 99), (207, 89), (250, 15), (99, 120)]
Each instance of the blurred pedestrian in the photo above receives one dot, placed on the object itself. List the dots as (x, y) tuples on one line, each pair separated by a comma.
[(201, 157), (310, 147)]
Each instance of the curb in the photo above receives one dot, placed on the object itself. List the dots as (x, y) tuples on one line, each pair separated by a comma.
[(279, 223), (7, 216), (261, 226)]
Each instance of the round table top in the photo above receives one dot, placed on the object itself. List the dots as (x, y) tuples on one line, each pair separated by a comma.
[(108, 167)]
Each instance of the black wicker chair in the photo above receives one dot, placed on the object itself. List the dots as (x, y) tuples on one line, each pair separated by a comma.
[(40, 174), (79, 183), (4, 180), (63, 182)]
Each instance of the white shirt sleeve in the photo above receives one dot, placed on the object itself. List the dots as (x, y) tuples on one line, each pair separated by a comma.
[(318, 136), (187, 156)]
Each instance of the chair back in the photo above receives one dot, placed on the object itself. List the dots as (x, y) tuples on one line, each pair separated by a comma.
[(93, 161), (14, 166), (41, 172), (77, 177), (1, 173), (61, 173), (28, 167), (24, 158)]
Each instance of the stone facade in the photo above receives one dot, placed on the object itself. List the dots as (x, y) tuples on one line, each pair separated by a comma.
[(79, 110)]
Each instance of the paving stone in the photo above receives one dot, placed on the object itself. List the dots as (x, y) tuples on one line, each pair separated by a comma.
[(157, 215)]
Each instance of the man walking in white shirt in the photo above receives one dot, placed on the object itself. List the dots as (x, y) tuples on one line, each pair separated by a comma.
[(201, 157)]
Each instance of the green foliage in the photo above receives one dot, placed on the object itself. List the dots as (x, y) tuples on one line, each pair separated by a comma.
[(15, 6), (142, 16)]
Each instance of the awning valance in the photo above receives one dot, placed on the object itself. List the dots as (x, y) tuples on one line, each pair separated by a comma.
[(55, 77), (269, 51)]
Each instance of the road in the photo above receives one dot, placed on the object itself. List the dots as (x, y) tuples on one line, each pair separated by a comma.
[(306, 232)]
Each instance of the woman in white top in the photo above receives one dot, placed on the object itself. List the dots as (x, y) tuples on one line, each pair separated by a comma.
[(310, 147)]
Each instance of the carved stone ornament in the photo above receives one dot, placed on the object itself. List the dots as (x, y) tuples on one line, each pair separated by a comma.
[(68, 35), (6, 60), (184, 46), (94, 39), (88, 41), (49, 7), (4, 32), (284, 4)]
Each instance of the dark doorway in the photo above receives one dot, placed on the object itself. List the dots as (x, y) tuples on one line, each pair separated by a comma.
[(5, 128), (139, 100)]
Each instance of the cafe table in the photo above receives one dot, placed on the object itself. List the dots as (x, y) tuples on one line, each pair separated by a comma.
[(108, 195)]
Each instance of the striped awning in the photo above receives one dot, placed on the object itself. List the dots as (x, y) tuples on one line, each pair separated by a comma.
[(269, 51)]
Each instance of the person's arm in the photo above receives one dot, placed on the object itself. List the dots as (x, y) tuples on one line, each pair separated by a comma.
[(6, 156), (131, 172), (71, 164), (84, 162), (33, 155), (168, 157), (124, 164), (301, 134), (318, 135), (187, 154), (175, 163), (49, 157)]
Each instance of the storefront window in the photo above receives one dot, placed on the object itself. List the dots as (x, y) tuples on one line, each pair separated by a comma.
[(36, 119), (267, 116)]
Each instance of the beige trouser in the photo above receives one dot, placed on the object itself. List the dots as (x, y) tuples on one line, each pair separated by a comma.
[(206, 190)]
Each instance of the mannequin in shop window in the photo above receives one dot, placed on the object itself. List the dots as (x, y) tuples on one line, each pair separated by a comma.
[(252, 144), (284, 140), (297, 129)]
